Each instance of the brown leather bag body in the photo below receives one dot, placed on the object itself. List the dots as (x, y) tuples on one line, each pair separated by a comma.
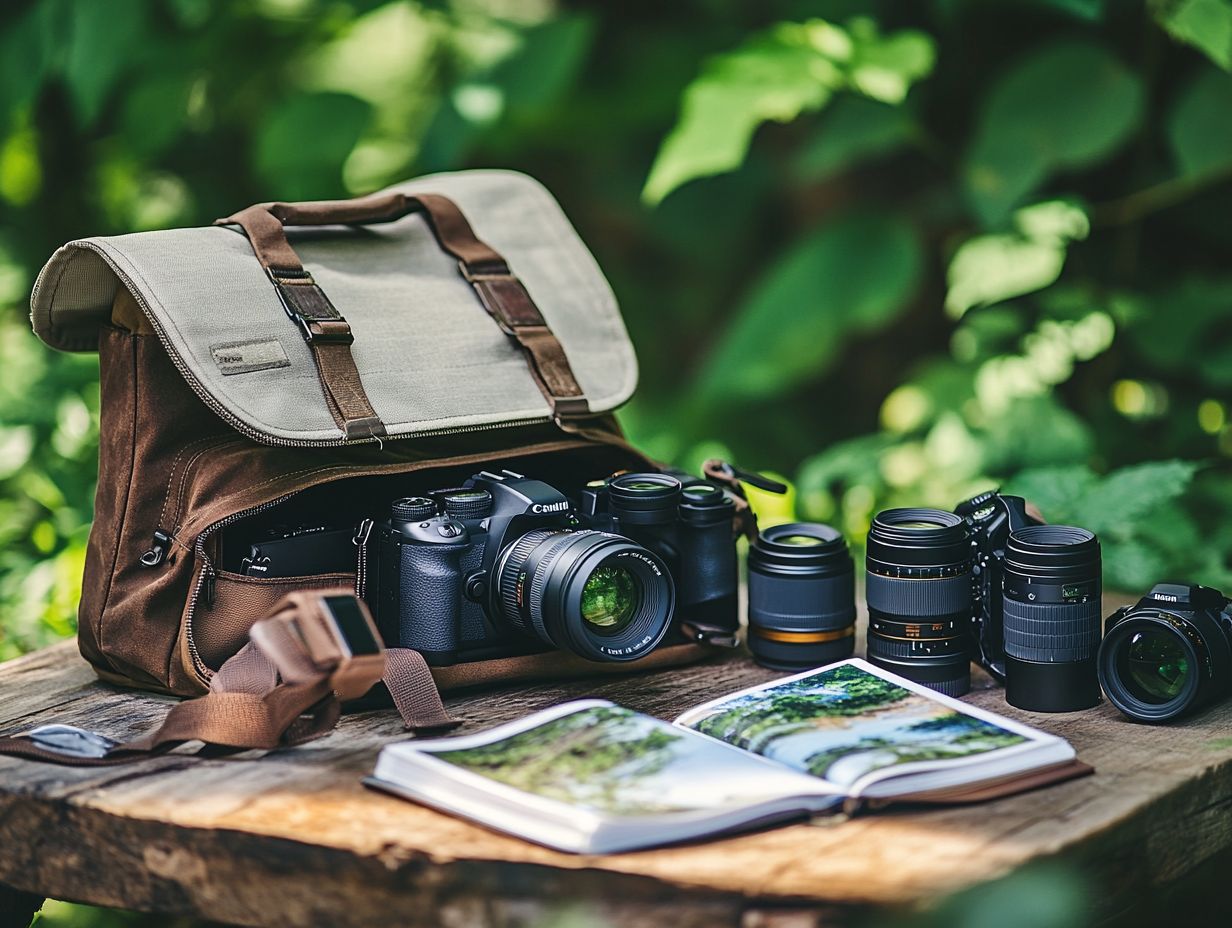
[(397, 344)]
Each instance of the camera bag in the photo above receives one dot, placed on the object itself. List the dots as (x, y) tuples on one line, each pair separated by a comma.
[(326, 354)]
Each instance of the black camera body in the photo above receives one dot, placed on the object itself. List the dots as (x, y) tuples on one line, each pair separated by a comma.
[(1169, 654), (503, 566), (991, 517), (688, 523)]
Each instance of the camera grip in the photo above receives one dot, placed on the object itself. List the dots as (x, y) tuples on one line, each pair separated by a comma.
[(430, 593)]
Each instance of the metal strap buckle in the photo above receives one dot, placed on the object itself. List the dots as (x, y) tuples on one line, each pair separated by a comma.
[(495, 272), (71, 741), (313, 329)]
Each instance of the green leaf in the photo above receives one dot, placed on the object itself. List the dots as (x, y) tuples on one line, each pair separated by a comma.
[(1204, 24), (790, 69), (1088, 10), (990, 268), (775, 76), (853, 129), (102, 41), (164, 95), (854, 274), (1117, 503), (1068, 105), (1057, 491), (28, 44), (303, 143), (885, 68), (1199, 127)]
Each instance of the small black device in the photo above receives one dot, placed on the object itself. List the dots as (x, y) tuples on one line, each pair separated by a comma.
[(802, 609), (688, 523), (299, 551), (918, 585), (1051, 606), (503, 566), (991, 517), (1169, 654)]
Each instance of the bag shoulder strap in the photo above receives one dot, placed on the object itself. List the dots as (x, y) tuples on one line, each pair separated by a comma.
[(274, 692), (328, 333)]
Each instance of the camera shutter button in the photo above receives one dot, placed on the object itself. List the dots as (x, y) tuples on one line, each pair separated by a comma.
[(449, 530)]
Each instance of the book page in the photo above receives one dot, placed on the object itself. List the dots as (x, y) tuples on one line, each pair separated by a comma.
[(851, 724), (610, 760)]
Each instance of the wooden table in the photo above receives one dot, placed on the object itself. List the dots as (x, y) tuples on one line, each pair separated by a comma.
[(294, 839)]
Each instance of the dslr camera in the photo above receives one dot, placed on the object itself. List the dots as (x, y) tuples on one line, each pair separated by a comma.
[(991, 518), (1169, 654), (506, 565)]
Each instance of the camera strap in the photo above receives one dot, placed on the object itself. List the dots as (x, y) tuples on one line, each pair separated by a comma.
[(283, 688)]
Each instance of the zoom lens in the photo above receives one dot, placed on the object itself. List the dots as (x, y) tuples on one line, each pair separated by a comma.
[(918, 587), (600, 596), (802, 609), (1051, 600)]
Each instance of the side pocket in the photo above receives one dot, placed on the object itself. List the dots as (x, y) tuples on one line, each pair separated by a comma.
[(221, 628)]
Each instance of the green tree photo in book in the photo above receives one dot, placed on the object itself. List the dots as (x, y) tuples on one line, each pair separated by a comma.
[(596, 757), (589, 776), (806, 724)]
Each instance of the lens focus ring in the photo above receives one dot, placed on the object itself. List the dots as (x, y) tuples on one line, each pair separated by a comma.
[(918, 597), (1051, 632)]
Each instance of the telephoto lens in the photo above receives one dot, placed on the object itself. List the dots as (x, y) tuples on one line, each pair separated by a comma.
[(918, 587), (802, 609), (1051, 586)]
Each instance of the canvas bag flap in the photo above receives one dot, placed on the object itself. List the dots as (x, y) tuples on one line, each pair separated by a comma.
[(431, 357)]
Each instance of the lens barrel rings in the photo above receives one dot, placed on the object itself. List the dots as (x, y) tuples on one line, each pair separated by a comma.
[(1051, 599), (802, 610), (918, 587)]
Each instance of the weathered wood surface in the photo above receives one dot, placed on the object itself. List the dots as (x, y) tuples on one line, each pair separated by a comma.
[(294, 839)]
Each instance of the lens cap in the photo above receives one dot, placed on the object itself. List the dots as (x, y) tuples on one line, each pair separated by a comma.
[(644, 499)]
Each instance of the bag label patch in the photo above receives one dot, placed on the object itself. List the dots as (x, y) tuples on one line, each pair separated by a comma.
[(245, 357)]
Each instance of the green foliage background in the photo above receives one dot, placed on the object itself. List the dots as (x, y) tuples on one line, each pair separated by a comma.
[(895, 252)]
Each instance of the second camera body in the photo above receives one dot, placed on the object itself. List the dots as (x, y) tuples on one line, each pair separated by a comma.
[(503, 566), (688, 523)]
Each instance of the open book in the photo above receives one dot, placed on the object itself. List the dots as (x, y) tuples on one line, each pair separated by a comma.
[(591, 776)]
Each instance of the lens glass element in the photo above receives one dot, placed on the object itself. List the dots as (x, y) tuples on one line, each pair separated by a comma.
[(609, 600), (1154, 666)]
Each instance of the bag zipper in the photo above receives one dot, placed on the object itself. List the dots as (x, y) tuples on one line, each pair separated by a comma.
[(362, 534), (207, 577), (163, 538), (244, 428)]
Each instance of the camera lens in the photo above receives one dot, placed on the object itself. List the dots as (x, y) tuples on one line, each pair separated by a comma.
[(1155, 666), (918, 587), (644, 499), (600, 596), (802, 609), (1051, 606)]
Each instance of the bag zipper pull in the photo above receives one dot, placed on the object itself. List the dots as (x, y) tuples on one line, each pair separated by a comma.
[(158, 552), (211, 586), (362, 533), (721, 470)]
